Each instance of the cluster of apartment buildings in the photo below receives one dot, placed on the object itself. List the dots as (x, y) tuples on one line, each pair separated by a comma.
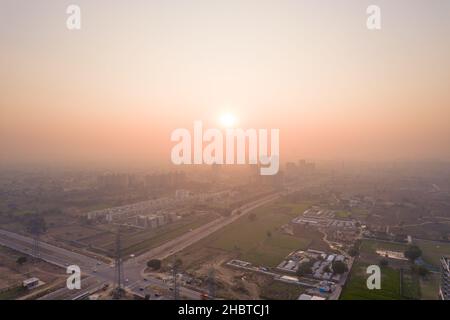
[(317, 212), (322, 218), (327, 223), (154, 221), (142, 207), (152, 213), (134, 209)]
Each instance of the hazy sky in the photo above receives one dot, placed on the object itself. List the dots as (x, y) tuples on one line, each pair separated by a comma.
[(113, 91)]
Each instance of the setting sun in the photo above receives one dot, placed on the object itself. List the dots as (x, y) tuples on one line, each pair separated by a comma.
[(227, 120)]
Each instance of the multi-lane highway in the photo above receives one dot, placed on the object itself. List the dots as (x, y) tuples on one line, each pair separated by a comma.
[(98, 273)]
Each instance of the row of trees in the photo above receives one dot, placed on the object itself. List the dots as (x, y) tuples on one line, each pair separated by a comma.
[(156, 264)]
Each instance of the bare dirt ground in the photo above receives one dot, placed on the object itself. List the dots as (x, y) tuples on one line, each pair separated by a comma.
[(229, 283), (12, 273)]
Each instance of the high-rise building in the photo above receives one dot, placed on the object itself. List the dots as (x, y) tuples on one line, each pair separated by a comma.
[(444, 289)]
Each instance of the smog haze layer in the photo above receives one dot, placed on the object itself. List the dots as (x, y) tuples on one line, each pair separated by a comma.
[(111, 93)]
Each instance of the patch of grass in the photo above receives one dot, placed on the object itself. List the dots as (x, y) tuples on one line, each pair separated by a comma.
[(272, 251), (343, 214), (429, 287), (276, 290), (356, 287), (296, 209), (12, 293), (250, 237), (410, 285), (359, 213), (432, 251)]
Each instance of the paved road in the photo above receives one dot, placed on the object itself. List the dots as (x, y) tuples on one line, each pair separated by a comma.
[(89, 285), (98, 273), (178, 244), (50, 253)]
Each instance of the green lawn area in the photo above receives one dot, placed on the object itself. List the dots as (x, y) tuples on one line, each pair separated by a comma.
[(296, 209), (359, 213), (356, 287), (370, 246), (410, 285), (250, 237), (429, 287), (12, 293), (432, 251), (343, 214), (277, 290)]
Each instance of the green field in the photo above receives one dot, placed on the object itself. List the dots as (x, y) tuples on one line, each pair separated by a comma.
[(432, 251), (276, 290), (429, 287), (12, 294), (251, 239), (410, 285), (356, 287), (370, 246), (343, 214), (359, 213)]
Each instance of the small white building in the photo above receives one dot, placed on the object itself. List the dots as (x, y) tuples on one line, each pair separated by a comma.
[(30, 283)]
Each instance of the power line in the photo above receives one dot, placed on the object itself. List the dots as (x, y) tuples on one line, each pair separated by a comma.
[(175, 281), (211, 283), (119, 274)]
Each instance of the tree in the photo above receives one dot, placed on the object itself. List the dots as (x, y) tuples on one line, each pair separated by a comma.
[(154, 264), (420, 270), (353, 252), (304, 268), (384, 262), (35, 224), (178, 263), (21, 260), (413, 252), (269, 234), (339, 267)]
